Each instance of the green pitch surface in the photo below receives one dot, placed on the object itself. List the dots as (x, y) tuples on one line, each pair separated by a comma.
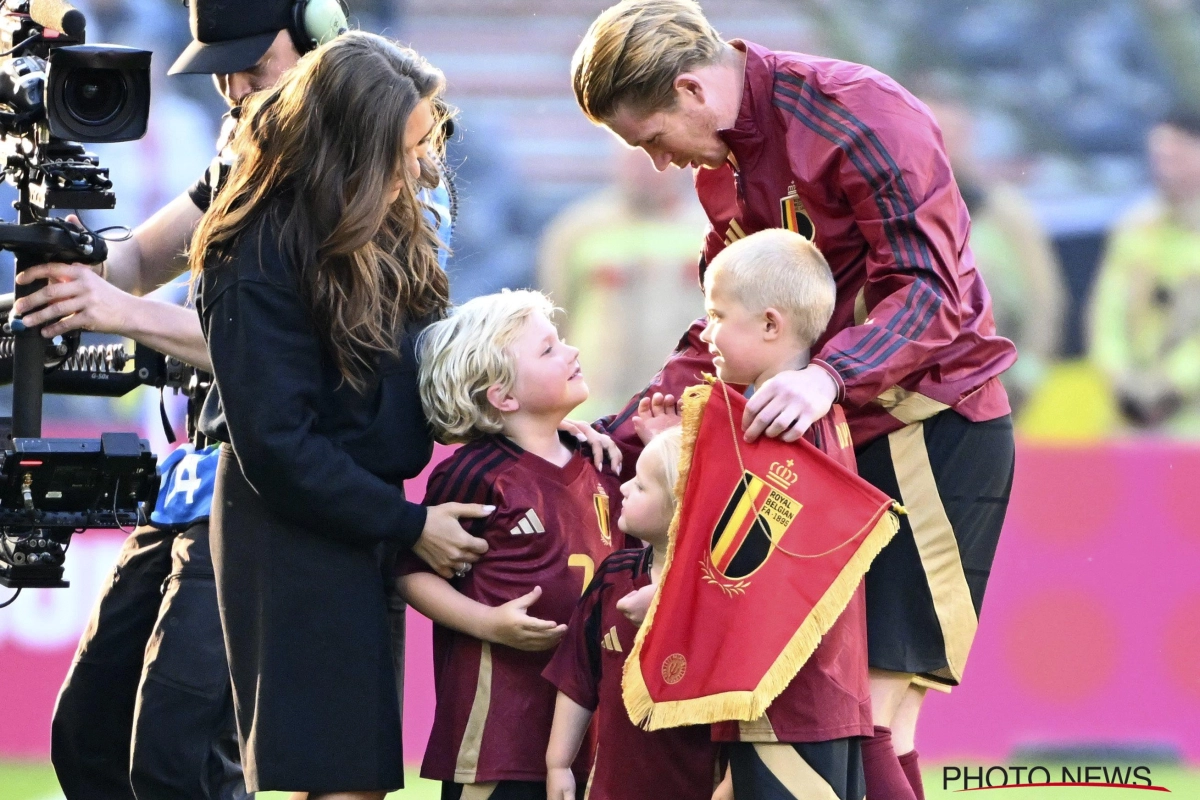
[(34, 780)]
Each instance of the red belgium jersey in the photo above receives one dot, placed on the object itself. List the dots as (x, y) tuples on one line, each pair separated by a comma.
[(630, 763), (551, 528)]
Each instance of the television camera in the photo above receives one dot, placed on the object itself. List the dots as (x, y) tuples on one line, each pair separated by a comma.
[(57, 92)]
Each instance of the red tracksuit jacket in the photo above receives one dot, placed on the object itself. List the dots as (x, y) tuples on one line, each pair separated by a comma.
[(842, 153)]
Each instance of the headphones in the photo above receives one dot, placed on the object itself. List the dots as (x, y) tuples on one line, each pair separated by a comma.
[(315, 22)]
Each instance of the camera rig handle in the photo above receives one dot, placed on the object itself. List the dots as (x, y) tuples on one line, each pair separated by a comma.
[(54, 240), (37, 242)]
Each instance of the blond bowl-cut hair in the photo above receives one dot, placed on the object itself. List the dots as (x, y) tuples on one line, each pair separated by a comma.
[(633, 52), (778, 269), (667, 446), (462, 356)]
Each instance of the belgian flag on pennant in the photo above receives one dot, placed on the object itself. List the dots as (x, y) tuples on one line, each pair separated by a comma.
[(768, 544)]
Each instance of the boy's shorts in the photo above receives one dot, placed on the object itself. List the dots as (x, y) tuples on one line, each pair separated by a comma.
[(829, 770), (499, 790), (925, 589)]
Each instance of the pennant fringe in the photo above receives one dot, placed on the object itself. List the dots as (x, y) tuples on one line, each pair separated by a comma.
[(743, 705)]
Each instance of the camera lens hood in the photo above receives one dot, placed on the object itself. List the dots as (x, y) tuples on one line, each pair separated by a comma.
[(98, 93)]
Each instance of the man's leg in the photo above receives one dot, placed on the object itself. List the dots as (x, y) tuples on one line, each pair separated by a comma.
[(91, 729), (904, 730), (184, 739), (925, 589)]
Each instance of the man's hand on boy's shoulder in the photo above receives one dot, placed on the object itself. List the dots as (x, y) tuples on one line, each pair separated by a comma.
[(654, 415), (600, 444), (787, 405)]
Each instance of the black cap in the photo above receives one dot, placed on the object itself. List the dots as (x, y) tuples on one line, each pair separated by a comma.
[(231, 35)]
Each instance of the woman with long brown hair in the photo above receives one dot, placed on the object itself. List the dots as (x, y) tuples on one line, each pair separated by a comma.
[(316, 267)]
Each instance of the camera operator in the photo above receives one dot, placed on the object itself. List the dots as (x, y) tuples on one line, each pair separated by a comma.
[(146, 709)]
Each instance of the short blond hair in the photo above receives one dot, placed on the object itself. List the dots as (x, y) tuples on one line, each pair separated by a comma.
[(462, 356), (779, 269), (667, 446), (633, 52)]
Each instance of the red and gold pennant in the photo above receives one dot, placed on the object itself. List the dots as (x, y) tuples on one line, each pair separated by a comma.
[(768, 544)]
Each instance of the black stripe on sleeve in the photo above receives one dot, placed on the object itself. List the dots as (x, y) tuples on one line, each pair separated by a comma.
[(855, 139), (465, 481), (859, 138)]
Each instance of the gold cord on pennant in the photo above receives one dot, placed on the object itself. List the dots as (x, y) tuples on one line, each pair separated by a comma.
[(737, 448)]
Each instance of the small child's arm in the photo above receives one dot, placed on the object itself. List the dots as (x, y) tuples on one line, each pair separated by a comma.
[(566, 734), (509, 624)]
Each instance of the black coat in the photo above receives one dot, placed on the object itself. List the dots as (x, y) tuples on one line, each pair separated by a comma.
[(306, 498)]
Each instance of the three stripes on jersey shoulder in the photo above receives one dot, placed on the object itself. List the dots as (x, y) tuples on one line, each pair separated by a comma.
[(528, 524), (611, 641)]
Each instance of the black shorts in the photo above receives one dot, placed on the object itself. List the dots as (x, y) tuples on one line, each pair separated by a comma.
[(829, 770), (925, 589)]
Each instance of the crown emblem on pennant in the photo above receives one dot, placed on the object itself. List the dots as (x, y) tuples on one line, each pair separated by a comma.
[(782, 475)]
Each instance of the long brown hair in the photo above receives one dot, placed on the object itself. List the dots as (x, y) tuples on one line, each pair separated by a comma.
[(317, 155)]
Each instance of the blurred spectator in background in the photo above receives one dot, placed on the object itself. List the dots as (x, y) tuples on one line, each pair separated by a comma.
[(1012, 250), (622, 263), (1145, 310)]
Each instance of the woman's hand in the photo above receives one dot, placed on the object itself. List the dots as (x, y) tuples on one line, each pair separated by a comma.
[(444, 545), (655, 415), (560, 784), (599, 442), (636, 604), (511, 625)]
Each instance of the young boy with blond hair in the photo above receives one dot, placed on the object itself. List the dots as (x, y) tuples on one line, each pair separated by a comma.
[(768, 299), (496, 376)]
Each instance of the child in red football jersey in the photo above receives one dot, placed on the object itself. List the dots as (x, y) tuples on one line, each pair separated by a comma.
[(768, 298), (496, 376), (629, 763)]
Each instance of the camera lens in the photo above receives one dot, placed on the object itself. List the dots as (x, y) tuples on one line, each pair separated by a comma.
[(94, 96)]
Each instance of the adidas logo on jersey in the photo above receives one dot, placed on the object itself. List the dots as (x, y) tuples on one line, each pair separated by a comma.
[(611, 642), (528, 524)]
